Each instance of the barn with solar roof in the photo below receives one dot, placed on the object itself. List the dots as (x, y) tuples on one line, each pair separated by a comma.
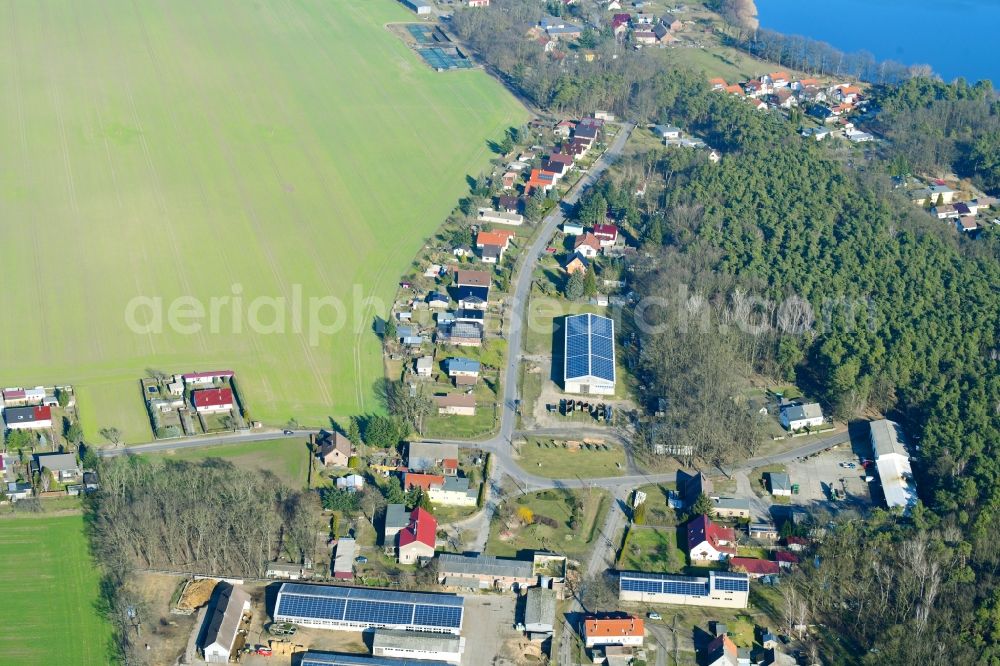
[(589, 355), (357, 609)]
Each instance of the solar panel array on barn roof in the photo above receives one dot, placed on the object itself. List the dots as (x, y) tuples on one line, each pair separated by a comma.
[(369, 606), (590, 347)]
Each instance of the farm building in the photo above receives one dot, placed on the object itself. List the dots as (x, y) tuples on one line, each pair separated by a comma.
[(780, 484), (356, 609), (720, 589), (500, 217), (589, 355), (893, 464), (482, 572), (20, 397), (419, 7), (206, 378), (423, 456), (731, 507), (223, 622), (797, 417), (27, 418), (330, 659), (539, 612), (456, 404), (213, 400), (343, 562), (422, 645)]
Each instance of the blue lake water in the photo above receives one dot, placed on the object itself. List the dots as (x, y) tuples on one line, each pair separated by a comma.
[(955, 37)]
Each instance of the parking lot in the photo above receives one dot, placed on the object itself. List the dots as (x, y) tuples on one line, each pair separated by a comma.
[(821, 477)]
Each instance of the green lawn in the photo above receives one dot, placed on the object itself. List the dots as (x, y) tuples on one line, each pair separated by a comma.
[(246, 156), (562, 539), (50, 594), (652, 549), (287, 457), (657, 511), (546, 457)]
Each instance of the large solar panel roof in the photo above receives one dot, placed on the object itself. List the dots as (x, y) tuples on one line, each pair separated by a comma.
[(327, 659), (652, 583), (590, 347), (370, 606)]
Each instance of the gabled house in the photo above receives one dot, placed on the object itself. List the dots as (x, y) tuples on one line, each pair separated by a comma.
[(62, 465), (798, 416), (671, 22), (576, 263), (418, 539), (27, 418), (607, 234), (667, 132), (620, 24), (721, 651), (708, 541), (718, 83), (437, 300), (587, 245), (626, 630), (564, 128), (509, 204), (456, 404), (464, 278), (333, 449), (508, 180), (212, 400), (644, 37)]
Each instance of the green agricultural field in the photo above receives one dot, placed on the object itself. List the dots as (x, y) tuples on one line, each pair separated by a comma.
[(287, 458), (230, 163), (50, 594)]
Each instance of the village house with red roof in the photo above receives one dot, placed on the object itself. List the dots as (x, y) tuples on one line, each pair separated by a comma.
[(708, 541)]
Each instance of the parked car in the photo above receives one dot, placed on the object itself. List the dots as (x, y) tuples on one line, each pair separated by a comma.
[(361, 559), (653, 615), (288, 432)]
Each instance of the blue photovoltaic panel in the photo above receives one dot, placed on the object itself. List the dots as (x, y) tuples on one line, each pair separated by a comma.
[(295, 605), (600, 326), (329, 659), (603, 368), (732, 584), (370, 606), (576, 366), (438, 616), (632, 585), (577, 325), (590, 347), (378, 612), (688, 588)]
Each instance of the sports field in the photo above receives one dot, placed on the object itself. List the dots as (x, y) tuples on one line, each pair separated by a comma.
[(50, 594), (258, 154)]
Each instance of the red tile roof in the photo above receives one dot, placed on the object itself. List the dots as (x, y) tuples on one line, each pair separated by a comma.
[(587, 239), (213, 397), (16, 394), (609, 627), (500, 238), (424, 481), (606, 231), (753, 565), (422, 528), (785, 556)]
